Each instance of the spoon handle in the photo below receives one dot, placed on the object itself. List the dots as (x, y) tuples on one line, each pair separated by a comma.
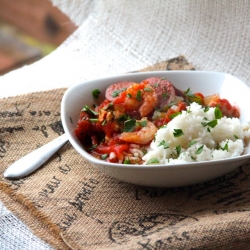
[(32, 161)]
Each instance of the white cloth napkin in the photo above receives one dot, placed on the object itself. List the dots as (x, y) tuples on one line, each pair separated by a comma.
[(120, 36)]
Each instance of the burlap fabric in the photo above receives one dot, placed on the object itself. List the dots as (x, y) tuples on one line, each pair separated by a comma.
[(71, 205)]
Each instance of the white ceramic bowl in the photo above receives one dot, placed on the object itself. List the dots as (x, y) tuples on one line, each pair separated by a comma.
[(208, 83)]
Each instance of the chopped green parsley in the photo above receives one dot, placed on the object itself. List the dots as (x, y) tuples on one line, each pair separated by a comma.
[(153, 161), (96, 93), (178, 132), (199, 150), (129, 125)]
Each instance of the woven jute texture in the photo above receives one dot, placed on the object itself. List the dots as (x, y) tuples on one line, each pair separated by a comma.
[(72, 205)]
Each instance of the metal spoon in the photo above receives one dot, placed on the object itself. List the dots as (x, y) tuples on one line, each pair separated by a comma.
[(32, 161)]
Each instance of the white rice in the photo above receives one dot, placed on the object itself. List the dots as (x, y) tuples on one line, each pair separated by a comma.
[(225, 140)]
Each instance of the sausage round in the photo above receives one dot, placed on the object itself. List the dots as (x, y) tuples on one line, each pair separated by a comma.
[(165, 90), (113, 90)]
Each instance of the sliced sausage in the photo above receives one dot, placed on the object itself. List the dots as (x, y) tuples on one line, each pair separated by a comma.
[(113, 90), (165, 90)]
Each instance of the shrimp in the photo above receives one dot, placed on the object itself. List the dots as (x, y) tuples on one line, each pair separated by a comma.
[(143, 136), (141, 97), (150, 101)]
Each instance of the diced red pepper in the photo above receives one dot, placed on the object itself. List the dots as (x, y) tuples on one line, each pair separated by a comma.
[(226, 108), (120, 99), (167, 118), (118, 149), (82, 125), (109, 128)]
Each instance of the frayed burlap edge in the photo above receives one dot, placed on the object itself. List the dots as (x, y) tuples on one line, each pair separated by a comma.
[(38, 223)]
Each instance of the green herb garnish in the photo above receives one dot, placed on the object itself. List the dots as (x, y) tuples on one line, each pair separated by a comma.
[(93, 147), (110, 105), (139, 96), (152, 161), (164, 144), (129, 125), (117, 92), (146, 89), (206, 108), (104, 156), (172, 116), (217, 113), (93, 119), (236, 137), (178, 132), (165, 95), (123, 117), (87, 109), (127, 161), (163, 126), (96, 93), (225, 147), (143, 123), (193, 158), (178, 150), (171, 104), (192, 143), (211, 124), (199, 150), (189, 93)]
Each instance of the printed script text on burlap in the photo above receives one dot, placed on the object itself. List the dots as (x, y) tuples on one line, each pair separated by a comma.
[(72, 205)]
